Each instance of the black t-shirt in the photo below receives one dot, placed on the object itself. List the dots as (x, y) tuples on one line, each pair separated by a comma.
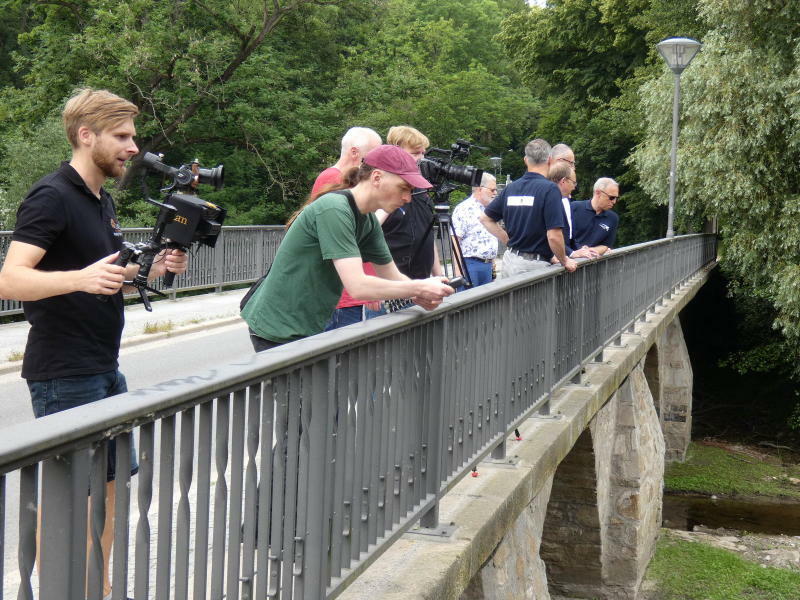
[(77, 333), (405, 232)]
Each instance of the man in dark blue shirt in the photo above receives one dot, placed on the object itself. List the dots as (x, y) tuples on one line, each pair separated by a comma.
[(594, 224), (533, 215)]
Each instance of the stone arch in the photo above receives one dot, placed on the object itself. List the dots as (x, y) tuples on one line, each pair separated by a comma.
[(571, 538), (669, 375), (604, 512), (653, 377)]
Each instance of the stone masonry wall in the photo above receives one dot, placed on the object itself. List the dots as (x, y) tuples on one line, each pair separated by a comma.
[(598, 518), (515, 571), (675, 397), (629, 448)]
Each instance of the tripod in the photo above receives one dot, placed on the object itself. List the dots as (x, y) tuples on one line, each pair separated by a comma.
[(449, 246)]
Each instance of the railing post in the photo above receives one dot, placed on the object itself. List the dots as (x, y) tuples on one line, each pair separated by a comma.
[(317, 537), (219, 260), (435, 431), (62, 540), (576, 378)]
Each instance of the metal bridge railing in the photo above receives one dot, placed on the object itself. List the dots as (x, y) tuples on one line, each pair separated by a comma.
[(285, 475), (241, 255)]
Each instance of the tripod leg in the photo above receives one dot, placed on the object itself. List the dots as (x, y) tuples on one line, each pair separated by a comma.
[(455, 248)]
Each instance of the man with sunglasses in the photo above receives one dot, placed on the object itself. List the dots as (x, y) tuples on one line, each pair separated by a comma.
[(594, 224)]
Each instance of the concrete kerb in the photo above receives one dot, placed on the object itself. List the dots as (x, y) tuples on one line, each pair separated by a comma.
[(484, 508), (136, 340)]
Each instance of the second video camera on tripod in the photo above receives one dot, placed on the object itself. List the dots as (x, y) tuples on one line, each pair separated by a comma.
[(441, 171)]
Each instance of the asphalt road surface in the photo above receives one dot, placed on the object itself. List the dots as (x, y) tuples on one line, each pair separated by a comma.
[(144, 365)]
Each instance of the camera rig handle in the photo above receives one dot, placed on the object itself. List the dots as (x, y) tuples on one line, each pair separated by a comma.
[(142, 254)]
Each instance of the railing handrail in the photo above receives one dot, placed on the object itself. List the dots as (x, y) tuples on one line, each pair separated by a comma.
[(241, 255), (86, 424)]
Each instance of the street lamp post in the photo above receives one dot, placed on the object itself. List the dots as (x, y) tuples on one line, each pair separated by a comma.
[(678, 53)]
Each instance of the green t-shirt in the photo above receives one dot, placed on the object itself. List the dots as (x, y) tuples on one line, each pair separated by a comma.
[(301, 291)]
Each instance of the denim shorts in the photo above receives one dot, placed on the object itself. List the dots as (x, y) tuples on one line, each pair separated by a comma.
[(54, 395)]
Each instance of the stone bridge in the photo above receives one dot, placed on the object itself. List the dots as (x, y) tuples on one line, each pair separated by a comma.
[(575, 511), (332, 466)]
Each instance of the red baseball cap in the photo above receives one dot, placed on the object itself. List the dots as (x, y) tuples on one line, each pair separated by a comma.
[(393, 159)]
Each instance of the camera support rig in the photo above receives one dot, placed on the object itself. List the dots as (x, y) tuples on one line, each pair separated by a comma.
[(182, 220), (442, 173), (143, 253)]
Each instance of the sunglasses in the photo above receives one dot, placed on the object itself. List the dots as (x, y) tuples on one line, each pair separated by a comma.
[(610, 197)]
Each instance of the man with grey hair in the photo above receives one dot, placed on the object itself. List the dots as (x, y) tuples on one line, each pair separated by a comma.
[(478, 246), (355, 144), (533, 215), (594, 224), (561, 153)]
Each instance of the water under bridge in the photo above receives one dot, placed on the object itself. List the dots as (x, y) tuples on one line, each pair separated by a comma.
[(339, 465)]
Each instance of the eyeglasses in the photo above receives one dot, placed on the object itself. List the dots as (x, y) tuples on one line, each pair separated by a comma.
[(568, 161), (610, 197), (572, 181), (493, 190)]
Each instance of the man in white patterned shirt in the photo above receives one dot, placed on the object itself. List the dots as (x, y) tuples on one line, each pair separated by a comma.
[(478, 246)]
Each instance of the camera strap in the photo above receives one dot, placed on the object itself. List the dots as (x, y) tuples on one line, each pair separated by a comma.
[(351, 199)]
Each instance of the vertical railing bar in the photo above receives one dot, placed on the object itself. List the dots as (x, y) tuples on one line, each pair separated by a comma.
[(250, 519), (28, 516), (122, 498), (328, 507), (460, 339), (350, 506), (276, 577), (305, 484), (407, 445), (342, 426), (141, 587), (265, 489), (438, 331), (317, 401), (220, 496), (183, 531), (292, 460), (238, 412), (365, 426), (166, 476), (97, 521), (2, 531), (202, 509), (384, 441), (376, 442)]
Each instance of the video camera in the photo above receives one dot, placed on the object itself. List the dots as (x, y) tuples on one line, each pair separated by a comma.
[(183, 219), (441, 170)]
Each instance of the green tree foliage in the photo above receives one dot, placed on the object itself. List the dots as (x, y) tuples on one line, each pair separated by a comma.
[(740, 148), (435, 65), (587, 59), (266, 87)]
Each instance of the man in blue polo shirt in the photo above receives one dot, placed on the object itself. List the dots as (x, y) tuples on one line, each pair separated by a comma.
[(594, 224), (533, 215)]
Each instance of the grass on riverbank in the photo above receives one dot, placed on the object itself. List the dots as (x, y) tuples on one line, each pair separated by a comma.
[(682, 570), (711, 469)]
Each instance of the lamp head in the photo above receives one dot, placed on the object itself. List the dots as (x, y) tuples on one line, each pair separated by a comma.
[(678, 52)]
